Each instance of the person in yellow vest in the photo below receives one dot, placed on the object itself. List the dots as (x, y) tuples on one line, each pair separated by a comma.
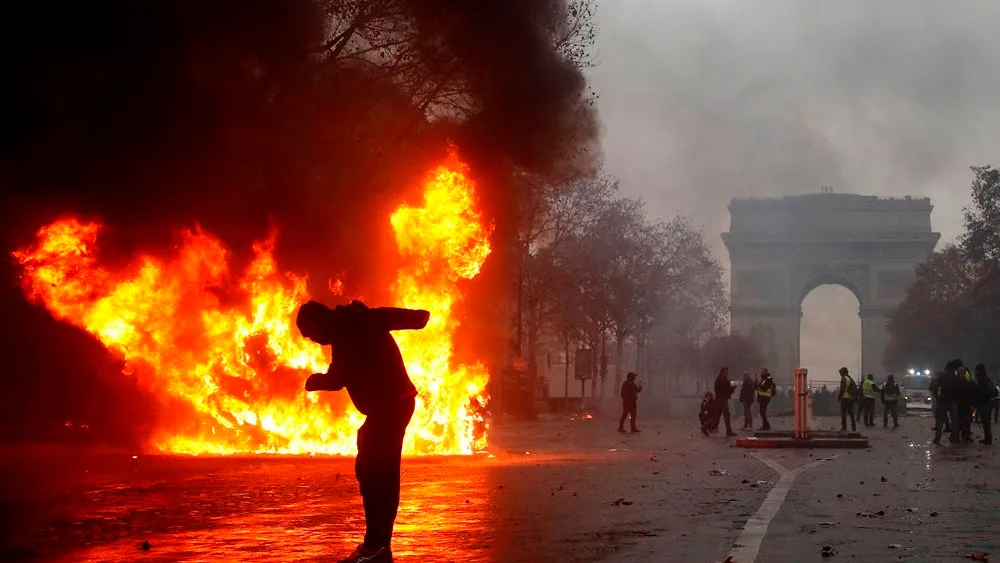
[(890, 399), (847, 395), (868, 393), (765, 390)]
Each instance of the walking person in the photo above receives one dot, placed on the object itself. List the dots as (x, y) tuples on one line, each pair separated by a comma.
[(986, 394), (765, 390), (630, 399), (847, 396), (748, 392), (367, 362), (723, 391), (890, 400)]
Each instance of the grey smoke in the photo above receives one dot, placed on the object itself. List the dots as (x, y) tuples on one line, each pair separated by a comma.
[(703, 101)]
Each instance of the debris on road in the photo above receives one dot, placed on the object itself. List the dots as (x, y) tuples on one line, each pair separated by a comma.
[(895, 546), (621, 502), (718, 472), (827, 551), (884, 480), (978, 556), (145, 545)]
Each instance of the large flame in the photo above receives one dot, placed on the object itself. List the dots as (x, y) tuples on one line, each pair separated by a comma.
[(222, 351)]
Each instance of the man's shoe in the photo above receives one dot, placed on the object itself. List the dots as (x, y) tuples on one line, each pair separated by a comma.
[(622, 430), (365, 555)]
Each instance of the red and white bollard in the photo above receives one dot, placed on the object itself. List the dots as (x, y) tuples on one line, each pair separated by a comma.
[(803, 405)]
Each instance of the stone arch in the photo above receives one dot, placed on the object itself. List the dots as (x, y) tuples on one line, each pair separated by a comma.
[(781, 249), (831, 278)]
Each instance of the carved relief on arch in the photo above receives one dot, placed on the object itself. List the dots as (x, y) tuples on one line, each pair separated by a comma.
[(855, 277)]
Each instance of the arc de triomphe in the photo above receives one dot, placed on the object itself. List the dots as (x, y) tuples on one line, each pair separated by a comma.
[(781, 249)]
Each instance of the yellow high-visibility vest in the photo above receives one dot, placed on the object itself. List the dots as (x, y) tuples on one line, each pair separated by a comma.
[(868, 389), (846, 381)]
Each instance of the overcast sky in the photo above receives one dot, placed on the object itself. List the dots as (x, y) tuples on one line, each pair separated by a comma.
[(705, 100)]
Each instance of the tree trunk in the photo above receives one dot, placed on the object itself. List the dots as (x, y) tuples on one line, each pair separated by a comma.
[(566, 382), (532, 354), (640, 347), (619, 348), (604, 363)]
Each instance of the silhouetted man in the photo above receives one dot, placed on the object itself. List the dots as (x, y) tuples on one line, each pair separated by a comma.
[(630, 396), (367, 362), (723, 391), (985, 393), (890, 400), (748, 392)]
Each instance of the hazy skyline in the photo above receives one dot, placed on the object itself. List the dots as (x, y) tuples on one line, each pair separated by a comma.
[(705, 100)]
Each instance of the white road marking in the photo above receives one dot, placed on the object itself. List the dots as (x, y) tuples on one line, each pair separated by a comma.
[(747, 546)]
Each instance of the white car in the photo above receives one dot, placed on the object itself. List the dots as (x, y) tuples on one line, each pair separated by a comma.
[(916, 391)]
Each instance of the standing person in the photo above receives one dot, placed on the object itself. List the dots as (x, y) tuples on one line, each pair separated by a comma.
[(996, 403), (847, 396), (986, 393), (868, 393), (748, 392), (723, 391), (966, 401), (935, 391), (367, 361), (765, 390), (947, 389), (890, 400), (630, 398)]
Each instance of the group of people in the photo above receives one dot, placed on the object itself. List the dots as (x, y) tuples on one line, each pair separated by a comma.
[(759, 389), (865, 395), (961, 397)]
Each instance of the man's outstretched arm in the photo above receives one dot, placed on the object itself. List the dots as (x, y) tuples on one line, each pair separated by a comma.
[(380, 318), (395, 318)]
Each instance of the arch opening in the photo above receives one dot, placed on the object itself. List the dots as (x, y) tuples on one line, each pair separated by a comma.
[(830, 332)]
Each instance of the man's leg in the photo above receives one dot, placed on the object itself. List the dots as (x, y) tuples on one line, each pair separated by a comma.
[(895, 414), (727, 416), (987, 424), (621, 421), (747, 416), (843, 416), (850, 413), (940, 415), (956, 423), (632, 413), (765, 423), (379, 462)]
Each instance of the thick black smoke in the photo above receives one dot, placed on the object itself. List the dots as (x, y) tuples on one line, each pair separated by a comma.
[(152, 115)]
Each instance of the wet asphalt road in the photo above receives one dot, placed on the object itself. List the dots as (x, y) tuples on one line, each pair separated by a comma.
[(558, 490)]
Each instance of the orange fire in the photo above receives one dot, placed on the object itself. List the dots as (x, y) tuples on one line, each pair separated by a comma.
[(224, 355)]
